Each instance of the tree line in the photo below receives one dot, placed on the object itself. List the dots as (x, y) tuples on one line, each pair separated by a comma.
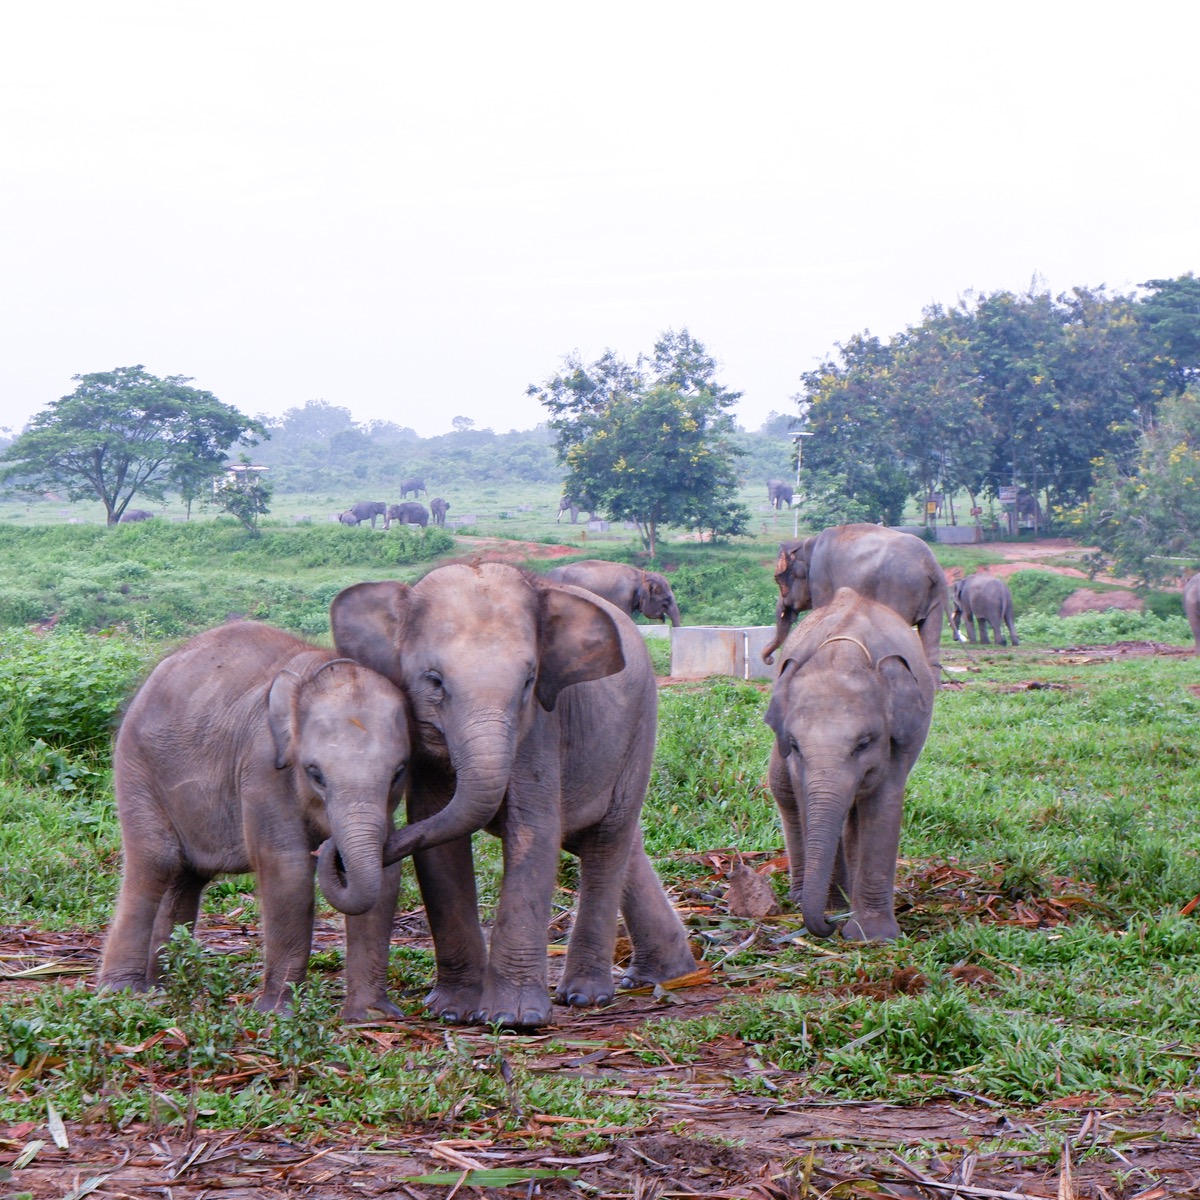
[(1049, 394)]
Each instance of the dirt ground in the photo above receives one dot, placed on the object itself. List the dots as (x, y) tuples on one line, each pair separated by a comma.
[(710, 1137)]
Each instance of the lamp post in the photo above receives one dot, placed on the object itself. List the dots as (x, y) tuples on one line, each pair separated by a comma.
[(797, 437)]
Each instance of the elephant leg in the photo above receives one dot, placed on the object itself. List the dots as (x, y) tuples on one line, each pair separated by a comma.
[(587, 975), (1012, 633), (515, 990), (660, 943), (875, 844), (971, 628), (286, 897), (180, 905), (368, 941), (983, 630), (127, 951), (446, 875)]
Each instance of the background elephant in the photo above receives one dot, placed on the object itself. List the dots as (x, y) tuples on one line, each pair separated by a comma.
[(414, 485), (850, 710), (135, 514), (986, 599), (574, 505), (779, 494), (535, 706), (367, 510), (1191, 606), (411, 512), (244, 750), (347, 518), (897, 569), (439, 508), (632, 590)]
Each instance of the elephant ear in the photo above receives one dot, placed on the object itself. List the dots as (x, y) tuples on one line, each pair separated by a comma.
[(776, 714), (577, 642), (281, 715), (368, 621), (908, 703)]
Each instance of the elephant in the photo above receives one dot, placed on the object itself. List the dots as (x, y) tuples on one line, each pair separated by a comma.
[(897, 569), (850, 710), (365, 510), (135, 514), (986, 599), (631, 589), (1191, 606), (574, 505), (411, 512), (439, 508), (245, 750), (779, 494), (347, 518), (535, 708), (414, 485)]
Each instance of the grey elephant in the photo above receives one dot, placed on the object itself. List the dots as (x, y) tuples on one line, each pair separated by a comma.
[(535, 708), (779, 494), (366, 510), (897, 569), (135, 514), (244, 750), (1191, 606), (984, 599), (411, 512), (574, 506), (416, 485), (438, 508), (347, 518), (631, 589), (850, 711)]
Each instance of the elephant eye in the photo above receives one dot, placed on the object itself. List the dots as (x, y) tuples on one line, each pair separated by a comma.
[(863, 743), (399, 775), (314, 773), (434, 681)]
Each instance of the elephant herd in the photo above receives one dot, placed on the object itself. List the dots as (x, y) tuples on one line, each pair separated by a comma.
[(408, 512), (487, 697)]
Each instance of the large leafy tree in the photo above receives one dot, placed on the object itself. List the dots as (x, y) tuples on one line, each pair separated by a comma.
[(126, 432), (650, 443), (1148, 519)]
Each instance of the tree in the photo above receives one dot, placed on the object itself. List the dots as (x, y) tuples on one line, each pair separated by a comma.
[(1148, 521), (125, 432), (1171, 315), (244, 494), (651, 443)]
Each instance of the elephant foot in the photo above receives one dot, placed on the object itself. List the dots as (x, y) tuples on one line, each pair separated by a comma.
[(356, 1012), (275, 1002), (584, 992), (871, 927), (646, 969), (125, 983), (513, 1006), (453, 1004)]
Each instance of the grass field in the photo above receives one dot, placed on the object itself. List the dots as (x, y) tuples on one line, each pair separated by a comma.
[(1048, 894)]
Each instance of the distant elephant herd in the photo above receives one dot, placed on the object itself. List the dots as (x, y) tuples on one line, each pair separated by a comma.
[(488, 697), (407, 512)]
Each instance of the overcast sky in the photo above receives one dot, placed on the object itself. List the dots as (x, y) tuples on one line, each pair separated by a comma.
[(413, 210)]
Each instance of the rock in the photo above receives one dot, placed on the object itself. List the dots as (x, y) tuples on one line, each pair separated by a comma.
[(750, 894), (1087, 600)]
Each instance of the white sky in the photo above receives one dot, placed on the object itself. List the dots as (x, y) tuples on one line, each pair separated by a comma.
[(415, 210)]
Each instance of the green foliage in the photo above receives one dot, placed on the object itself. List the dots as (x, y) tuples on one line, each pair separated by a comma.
[(125, 432), (1039, 591), (244, 495), (654, 446)]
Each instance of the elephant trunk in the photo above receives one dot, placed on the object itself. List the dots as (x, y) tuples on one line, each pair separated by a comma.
[(350, 865), (826, 805), (785, 618), (482, 766), (672, 614)]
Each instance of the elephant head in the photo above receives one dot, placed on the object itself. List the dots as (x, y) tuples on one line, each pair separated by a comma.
[(476, 648), (850, 710), (656, 600), (347, 770), (795, 595)]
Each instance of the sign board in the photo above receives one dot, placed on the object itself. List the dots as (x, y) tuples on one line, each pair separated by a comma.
[(1008, 495), (931, 507), (976, 512)]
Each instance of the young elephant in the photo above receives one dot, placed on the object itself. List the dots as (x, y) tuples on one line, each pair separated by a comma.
[(850, 710), (1191, 606), (245, 750), (535, 709), (984, 599), (631, 589), (895, 568), (411, 512)]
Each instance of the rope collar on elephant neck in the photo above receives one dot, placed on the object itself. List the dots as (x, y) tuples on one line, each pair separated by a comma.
[(845, 637)]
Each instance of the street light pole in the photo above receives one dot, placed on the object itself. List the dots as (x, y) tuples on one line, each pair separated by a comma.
[(797, 439)]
